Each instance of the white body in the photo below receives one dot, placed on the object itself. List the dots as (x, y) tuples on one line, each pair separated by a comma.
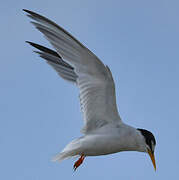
[(106, 140)]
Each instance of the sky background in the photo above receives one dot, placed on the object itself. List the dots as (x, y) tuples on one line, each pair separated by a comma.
[(40, 112)]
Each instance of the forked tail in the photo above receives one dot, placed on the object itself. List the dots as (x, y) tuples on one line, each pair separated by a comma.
[(62, 156), (71, 150)]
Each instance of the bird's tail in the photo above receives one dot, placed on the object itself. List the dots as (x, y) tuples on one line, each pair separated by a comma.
[(62, 156), (71, 150)]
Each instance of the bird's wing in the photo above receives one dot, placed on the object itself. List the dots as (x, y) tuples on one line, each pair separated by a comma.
[(65, 70), (80, 65)]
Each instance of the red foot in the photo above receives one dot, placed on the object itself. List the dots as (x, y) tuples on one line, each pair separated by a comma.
[(78, 162)]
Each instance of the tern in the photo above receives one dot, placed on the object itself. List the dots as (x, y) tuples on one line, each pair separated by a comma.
[(104, 132)]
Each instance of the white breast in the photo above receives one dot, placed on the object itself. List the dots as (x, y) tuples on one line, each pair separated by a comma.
[(112, 140)]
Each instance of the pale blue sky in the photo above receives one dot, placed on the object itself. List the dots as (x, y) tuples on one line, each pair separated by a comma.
[(40, 113)]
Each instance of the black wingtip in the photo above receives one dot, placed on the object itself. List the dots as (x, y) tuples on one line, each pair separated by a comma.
[(43, 49), (28, 42), (27, 11), (31, 13), (31, 43)]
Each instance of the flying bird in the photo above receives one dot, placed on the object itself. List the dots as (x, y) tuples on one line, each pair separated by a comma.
[(104, 132)]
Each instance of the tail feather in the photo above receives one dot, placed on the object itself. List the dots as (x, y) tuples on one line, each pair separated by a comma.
[(71, 150), (62, 156)]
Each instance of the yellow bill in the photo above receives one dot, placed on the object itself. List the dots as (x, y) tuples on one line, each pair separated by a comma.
[(152, 157)]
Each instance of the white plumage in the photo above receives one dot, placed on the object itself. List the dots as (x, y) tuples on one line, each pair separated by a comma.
[(104, 132)]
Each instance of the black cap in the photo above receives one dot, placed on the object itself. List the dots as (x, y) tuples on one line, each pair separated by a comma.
[(149, 138)]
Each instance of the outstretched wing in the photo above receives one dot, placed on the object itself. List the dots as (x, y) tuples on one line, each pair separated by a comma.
[(80, 66), (65, 70)]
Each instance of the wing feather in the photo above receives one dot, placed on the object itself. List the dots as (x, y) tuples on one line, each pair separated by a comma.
[(80, 65), (65, 70)]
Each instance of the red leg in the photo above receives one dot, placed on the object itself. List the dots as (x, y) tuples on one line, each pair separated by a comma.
[(79, 162)]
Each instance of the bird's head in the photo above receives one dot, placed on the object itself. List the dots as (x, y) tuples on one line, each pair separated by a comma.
[(150, 143)]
